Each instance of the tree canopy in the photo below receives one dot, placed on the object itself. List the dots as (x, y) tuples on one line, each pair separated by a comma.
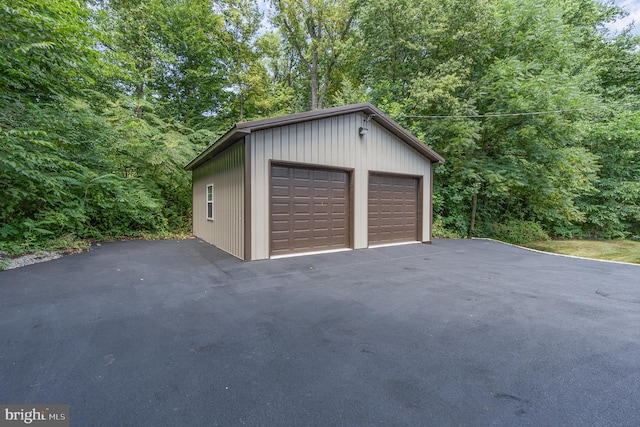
[(534, 104)]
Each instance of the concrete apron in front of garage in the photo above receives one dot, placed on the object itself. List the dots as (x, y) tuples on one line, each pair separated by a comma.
[(455, 333)]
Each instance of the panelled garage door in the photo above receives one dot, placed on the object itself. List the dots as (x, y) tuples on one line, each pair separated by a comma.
[(309, 209), (393, 209)]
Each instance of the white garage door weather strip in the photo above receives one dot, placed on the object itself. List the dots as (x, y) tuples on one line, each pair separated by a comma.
[(384, 245), (328, 251), (554, 254)]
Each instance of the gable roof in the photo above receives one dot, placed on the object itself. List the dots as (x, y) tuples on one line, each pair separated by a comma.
[(240, 130)]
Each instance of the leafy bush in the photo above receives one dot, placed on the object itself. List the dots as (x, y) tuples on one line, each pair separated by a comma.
[(517, 231), (440, 231), (65, 242), (569, 231)]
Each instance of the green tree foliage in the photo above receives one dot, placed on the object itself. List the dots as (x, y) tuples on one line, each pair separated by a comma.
[(468, 58), (319, 34), (68, 151), (613, 211), (169, 53), (244, 71), (254, 91), (46, 60), (276, 95), (189, 84)]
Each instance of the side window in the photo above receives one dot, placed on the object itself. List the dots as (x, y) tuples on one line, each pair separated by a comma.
[(210, 202)]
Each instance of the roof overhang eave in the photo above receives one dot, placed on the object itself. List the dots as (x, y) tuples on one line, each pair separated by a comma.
[(234, 134), (405, 135)]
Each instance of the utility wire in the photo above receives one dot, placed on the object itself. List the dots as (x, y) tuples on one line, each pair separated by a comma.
[(530, 113)]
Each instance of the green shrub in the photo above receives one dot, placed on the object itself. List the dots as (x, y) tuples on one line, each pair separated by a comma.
[(25, 246), (517, 231), (440, 231), (569, 231)]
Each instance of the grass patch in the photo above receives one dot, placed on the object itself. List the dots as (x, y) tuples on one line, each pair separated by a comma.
[(612, 250)]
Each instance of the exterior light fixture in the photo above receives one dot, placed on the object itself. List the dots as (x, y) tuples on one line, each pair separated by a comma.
[(364, 129)]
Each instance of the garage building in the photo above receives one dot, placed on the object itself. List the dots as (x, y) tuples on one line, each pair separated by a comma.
[(333, 179)]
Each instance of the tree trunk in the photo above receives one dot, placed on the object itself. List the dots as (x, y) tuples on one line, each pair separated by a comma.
[(313, 70), (139, 95), (472, 222)]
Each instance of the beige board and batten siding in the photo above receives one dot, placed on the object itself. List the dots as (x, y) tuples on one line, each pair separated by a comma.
[(226, 173), (333, 142)]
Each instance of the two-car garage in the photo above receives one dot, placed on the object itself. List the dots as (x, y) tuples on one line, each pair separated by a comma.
[(341, 178), (310, 209)]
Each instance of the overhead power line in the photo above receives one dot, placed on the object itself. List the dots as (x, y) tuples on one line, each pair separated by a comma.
[(529, 113)]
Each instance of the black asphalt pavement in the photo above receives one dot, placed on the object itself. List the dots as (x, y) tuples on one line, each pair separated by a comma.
[(178, 333)]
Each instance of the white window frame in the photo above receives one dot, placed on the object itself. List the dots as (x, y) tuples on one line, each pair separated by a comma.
[(209, 201)]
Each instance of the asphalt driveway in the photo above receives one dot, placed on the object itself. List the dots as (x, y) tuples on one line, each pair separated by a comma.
[(459, 332)]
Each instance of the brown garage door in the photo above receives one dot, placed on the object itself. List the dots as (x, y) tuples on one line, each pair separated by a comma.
[(393, 209), (309, 209)]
